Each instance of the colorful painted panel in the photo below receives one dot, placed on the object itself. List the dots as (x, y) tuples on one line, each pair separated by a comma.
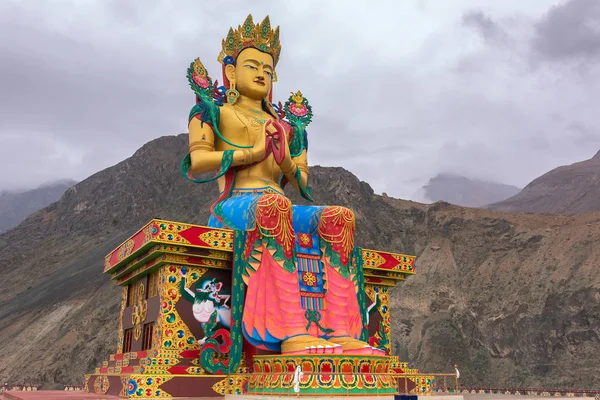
[(167, 232), (380, 281), (144, 258), (423, 385), (322, 375), (121, 334), (311, 282), (171, 259), (385, 275), (378, 314), (196, 313), (182, 238), (154, 386), (382, 260)]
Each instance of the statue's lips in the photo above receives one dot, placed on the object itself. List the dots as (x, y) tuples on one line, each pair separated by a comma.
[(261, 83)]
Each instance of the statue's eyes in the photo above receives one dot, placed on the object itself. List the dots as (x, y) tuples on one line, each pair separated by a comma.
[(269, 73), (250, 66)]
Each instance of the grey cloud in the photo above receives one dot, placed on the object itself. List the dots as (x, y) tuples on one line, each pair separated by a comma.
[(484, 25), (583, 135), (76, 87), (98, 99), (570, 30), (395, 104)]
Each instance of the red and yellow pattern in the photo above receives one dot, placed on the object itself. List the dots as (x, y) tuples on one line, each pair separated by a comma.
[(323, 375), (274, 220), (389, 261), (305, 240), (165, 259), (166, 232), (386, 269), (160, 237), (308, 278), (336, 227)]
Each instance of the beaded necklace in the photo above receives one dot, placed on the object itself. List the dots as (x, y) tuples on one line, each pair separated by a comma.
[(253, 116)]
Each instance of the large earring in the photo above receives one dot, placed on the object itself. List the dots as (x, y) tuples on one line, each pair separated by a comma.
[(232, 94), (267, 104)]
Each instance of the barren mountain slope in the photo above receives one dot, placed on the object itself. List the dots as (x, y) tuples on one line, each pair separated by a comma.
[(513, 299), (567, 190)]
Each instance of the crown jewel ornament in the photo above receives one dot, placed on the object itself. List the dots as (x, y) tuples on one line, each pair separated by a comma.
[(250, 35)]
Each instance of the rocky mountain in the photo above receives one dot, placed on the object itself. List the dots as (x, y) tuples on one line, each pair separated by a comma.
[(15, 206), (513, 299), (466, 192), (567, 190)]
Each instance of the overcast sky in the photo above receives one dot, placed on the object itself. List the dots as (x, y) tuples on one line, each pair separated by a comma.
[(503, 90)]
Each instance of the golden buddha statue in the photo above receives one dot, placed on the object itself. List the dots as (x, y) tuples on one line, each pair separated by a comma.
[(299, 262)]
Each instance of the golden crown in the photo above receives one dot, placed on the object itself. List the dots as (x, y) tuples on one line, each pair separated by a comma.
[(259, 36)]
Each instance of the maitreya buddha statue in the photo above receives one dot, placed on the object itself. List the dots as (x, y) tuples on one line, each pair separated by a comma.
[(303, 285)]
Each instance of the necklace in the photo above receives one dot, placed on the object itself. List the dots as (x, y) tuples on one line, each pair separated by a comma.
[(253, 116)]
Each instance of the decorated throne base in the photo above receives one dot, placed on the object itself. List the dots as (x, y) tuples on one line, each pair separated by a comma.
[(323, 375), (149, 267)]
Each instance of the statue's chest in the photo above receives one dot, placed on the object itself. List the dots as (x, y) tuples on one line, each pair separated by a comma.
[(243, 125), (252, 120)]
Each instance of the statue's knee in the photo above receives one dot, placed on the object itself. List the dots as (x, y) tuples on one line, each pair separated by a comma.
[(348, 213), (274, 200), (338, 215), (336, 228), (273, 209), (336, 222)]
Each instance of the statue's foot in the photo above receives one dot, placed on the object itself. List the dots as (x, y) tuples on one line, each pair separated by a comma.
[(353, 346), (306, 344)]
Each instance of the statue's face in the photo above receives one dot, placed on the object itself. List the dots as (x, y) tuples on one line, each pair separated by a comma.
[(254, 74)]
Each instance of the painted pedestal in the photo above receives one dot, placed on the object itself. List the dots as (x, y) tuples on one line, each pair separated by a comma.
[(166, 350)]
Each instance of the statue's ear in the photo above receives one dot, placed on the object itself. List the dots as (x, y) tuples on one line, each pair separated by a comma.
[(230, 72)]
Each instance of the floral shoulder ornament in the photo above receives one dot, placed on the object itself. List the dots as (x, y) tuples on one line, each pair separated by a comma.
[(207, 96), (299, 114), (207, 110)]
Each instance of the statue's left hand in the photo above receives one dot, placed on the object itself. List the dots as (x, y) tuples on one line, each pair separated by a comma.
[(276, 140)]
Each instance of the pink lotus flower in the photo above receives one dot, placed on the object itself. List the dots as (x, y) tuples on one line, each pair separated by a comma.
[(299, 111), (202, 82)]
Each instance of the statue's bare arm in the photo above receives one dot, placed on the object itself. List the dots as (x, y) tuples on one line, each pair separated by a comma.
[(203, 154), (289, 170)]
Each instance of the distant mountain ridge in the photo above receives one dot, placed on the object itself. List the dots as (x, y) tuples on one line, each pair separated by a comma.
[(566, 190), (16, 206), (466, 192)]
